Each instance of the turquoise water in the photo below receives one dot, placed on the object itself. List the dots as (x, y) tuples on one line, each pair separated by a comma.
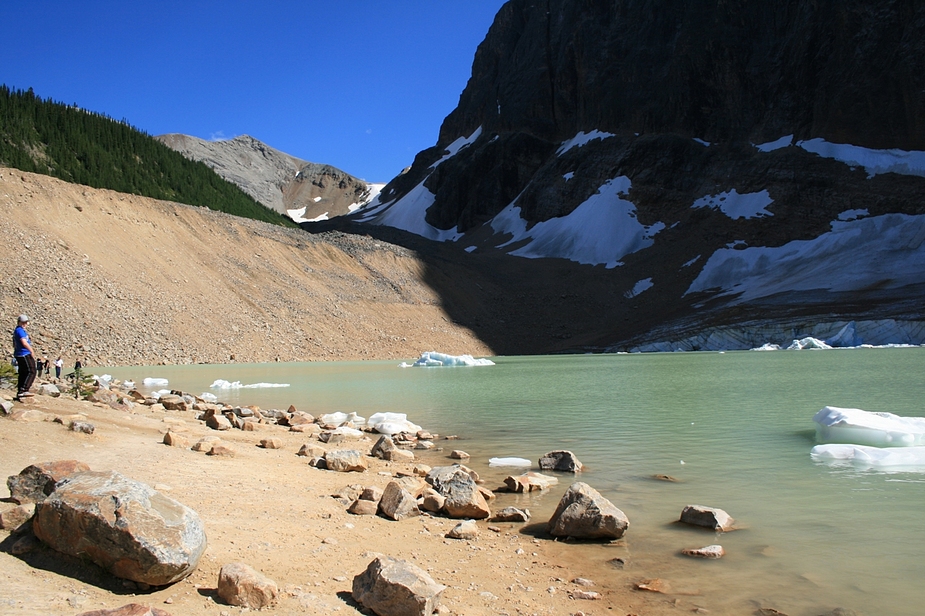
[(734, 428)]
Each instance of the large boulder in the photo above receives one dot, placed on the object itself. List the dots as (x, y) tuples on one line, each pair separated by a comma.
[(122, 525), (561, 460), (462, 494), (345, 461), (392, 587), (397, 503), (240, 585), (37, 481), (584, 514)]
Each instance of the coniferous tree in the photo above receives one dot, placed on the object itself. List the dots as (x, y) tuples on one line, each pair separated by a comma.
[(75, 145)]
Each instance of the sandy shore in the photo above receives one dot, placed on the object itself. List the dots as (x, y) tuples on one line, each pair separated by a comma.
[(269, 509)]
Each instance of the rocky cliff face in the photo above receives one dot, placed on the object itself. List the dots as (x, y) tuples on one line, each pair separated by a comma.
[(276, 179), (718, 162)]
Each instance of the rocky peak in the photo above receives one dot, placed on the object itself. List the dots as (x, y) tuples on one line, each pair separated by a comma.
[(713, 157), (274, 178)]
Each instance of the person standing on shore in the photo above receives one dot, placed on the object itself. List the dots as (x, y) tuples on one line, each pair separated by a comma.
[(59, 363), (25, 358)]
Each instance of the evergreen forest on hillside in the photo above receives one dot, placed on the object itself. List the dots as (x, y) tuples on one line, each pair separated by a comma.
[(76, 145)]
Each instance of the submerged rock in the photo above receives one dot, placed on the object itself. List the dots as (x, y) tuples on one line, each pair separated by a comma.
[(710, 551), (708, 517)]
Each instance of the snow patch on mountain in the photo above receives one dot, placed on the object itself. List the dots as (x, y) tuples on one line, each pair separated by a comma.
[(735, 206), (600, 231), (777, 144), (581, 139), (456, 146), (408, 214), (873, 161), (883, 251)]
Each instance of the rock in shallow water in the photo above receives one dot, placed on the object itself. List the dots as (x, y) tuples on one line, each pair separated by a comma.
[(584, 514)]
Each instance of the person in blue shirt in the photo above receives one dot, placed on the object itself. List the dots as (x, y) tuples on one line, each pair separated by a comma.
[(25, 358)]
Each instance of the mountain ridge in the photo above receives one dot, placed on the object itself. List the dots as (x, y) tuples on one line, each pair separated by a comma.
[(280, 181), (621, 134)]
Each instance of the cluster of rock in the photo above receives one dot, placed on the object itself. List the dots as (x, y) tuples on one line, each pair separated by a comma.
[(138, 534)]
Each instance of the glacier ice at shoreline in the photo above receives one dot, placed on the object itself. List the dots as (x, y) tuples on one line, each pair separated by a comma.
[(154, 382), (391, 423), (859, 427), (223, 384), (434, 359)]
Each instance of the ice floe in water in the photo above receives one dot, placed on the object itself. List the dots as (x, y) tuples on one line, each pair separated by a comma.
[(874, 457), (154, 382), (223, 384), (209, 397), (392, 423), (434, 359), (858, 427), (509, 462)]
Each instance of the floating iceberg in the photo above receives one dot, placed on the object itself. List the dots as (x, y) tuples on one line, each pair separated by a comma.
[(838, 425), (392, 423), (153, 382), (877, 457), (807, 343), (209, 397), (338, 418), (434, 359), (222, 384), (509, 462)]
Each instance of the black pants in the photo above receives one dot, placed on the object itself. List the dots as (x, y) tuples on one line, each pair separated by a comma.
[(26, 373)]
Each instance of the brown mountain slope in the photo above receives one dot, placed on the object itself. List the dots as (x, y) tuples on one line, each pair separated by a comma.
[(119, 279)]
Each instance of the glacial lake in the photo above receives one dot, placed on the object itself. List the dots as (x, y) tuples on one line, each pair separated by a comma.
[(735, 429)]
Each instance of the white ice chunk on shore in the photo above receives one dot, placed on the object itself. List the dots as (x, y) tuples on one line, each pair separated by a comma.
[(392, 423), (154, 382), (864, 456), (855, 426), (509, 462), (223, 384), (434, 359), (209, 397), (337, 418)]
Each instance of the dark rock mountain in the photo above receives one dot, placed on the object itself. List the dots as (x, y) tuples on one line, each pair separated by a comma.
[(717, 166), (276, 179)]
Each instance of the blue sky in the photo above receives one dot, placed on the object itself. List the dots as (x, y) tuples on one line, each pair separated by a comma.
[(359, 84)]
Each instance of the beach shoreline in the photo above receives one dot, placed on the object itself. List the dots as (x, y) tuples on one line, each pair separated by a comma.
[(269, 509)]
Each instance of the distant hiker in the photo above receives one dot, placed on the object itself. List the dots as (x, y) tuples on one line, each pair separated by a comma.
[(47, 366), (78, 365), (59, 363), (25, 358), (39, 365)]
